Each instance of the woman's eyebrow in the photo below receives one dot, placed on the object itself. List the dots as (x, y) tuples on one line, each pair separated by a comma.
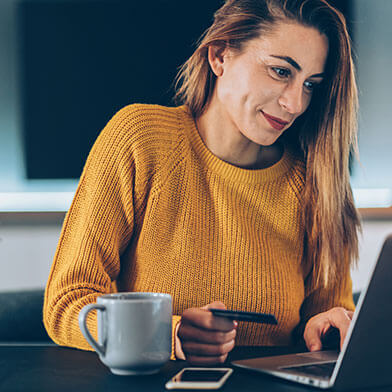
[(292, 62)]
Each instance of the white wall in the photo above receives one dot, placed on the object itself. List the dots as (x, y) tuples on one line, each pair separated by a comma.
[(373, 43), (27, 246), (374, 233)]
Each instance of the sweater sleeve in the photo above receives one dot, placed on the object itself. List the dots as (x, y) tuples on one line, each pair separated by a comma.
[(96, 230), (98, 227)]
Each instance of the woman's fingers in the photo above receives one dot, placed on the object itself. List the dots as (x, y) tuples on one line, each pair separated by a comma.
[(205, 338), (341, 319), (313, 333), (215, 305), (189, 332), (318, 326), (207, 350), (203, 318)]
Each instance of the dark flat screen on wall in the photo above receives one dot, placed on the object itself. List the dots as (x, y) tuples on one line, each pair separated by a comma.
[(80, 61)]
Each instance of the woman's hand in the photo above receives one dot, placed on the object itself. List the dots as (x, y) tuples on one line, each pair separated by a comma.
[(317, 327), (205, 339)]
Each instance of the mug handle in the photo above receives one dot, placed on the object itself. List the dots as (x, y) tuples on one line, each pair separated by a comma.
[(99, 348)]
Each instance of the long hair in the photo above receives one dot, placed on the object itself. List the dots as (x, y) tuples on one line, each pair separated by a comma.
[(324, 135)]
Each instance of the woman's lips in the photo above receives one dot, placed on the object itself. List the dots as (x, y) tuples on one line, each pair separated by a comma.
[(275, 122)]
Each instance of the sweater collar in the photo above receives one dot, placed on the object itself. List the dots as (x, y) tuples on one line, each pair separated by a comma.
[(224, 169)]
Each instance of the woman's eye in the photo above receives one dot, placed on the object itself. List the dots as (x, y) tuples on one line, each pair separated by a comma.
[(281, 72), (310, 86)]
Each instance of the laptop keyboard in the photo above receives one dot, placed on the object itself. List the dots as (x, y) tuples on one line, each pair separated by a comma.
[(323, 370)]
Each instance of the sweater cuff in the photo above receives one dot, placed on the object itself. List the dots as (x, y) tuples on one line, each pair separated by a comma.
[(176, 344)]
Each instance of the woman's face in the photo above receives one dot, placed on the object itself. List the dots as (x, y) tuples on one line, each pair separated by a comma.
[(263, 89)]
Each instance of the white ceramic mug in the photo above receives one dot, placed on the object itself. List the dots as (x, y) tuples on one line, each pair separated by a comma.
[(134, 331)]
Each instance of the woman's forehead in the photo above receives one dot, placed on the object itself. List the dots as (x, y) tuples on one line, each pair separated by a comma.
[(306, 45)]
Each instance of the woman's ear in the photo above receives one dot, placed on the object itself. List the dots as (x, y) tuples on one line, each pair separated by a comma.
[(216, 59)]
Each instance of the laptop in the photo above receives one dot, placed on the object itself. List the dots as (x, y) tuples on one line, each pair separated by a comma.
[(366, 356)]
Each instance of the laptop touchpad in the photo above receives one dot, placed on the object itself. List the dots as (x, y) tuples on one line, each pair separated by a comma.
[(319, 356)]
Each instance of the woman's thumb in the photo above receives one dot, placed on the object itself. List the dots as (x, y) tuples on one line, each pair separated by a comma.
[(215, 305)]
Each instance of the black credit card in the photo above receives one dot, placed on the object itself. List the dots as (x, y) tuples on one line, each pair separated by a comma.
[(239, 315)]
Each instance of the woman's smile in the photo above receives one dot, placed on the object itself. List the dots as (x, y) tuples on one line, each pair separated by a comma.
[(275, 122)]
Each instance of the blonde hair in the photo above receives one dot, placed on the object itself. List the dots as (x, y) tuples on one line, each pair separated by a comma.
[(324, 135)]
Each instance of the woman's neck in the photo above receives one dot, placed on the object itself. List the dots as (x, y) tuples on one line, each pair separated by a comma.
[(233, 147)]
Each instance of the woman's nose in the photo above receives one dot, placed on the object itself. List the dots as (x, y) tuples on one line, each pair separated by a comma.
[(292, 99)]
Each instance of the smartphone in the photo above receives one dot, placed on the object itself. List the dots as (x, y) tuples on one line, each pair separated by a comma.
[(264, 318), (199, 378)]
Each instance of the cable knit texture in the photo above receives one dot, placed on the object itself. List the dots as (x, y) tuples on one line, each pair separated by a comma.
[(156, 211)]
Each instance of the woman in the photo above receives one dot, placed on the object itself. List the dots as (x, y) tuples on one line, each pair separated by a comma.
[(240, 198)]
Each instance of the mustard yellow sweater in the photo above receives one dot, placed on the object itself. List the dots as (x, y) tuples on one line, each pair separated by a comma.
[(156, 211)]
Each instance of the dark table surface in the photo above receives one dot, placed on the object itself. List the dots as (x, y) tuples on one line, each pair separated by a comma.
[(52, 368)]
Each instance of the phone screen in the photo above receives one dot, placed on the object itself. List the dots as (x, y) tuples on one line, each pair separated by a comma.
[(201, 375)]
